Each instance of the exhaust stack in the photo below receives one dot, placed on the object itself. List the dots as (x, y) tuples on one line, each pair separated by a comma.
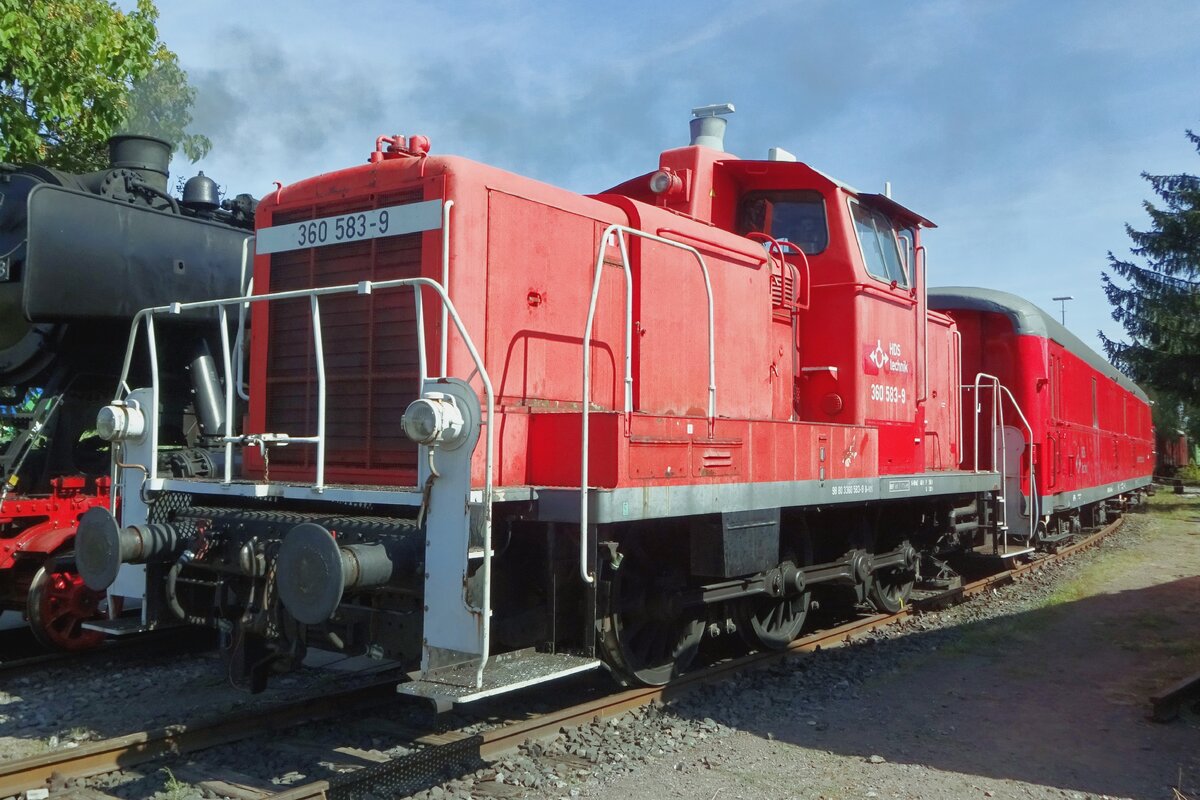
[(708, 125)]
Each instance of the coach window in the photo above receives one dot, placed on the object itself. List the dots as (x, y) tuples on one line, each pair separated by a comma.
[(877, 242), (792, 217)]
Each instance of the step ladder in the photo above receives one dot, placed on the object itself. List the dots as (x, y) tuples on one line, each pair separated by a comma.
[(455, 662)]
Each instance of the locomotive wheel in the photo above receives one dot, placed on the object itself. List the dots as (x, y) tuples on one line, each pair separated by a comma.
[(771, 624), (1040, 532), (890, 589), (768, 623), (58, 605), (645, 638)]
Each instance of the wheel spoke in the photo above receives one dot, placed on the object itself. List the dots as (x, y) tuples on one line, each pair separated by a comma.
[(646, 644), (58, 605)]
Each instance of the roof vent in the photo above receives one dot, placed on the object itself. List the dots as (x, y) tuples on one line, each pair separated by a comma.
[(708, 125)]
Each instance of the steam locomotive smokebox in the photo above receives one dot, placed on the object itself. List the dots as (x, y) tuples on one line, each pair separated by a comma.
[(740, 543), (89, 257)]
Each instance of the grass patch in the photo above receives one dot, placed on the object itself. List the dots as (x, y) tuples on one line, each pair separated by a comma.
[(1181, 507), (1099, 577), (995, 637), (174, 788)]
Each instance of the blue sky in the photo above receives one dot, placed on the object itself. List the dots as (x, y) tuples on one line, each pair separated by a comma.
[(1020, 127)]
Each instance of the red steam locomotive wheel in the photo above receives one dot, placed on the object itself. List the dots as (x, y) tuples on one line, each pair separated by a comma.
[(59, 604)]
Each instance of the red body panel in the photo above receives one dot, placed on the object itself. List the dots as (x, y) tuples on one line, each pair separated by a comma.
[(843, 376), (32, 528)]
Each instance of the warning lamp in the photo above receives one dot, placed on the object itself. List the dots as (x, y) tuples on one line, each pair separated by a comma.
[(666, 183), (418, 145)]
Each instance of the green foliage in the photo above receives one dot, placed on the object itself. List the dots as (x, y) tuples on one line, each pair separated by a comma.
[(173, 788), (1189, 474), (1174, 412), (72, 72), (26, 406), (1158, 301)]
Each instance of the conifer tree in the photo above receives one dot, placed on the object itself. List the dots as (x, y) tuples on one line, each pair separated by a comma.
[(1156, 297)]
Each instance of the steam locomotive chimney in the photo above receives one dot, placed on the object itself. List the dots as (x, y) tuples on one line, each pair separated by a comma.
[(708, 125), (147, 156)]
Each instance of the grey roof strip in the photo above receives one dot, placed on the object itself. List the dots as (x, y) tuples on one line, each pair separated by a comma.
[(1026, 319)]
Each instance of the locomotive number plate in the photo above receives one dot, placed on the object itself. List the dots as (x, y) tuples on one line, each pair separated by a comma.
[(353, 227)]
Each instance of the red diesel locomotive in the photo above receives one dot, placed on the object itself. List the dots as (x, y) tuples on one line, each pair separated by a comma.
[(508, 432)]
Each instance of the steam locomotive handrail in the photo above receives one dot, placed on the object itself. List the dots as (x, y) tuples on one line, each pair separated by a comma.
[(992, 382), (620, 231)]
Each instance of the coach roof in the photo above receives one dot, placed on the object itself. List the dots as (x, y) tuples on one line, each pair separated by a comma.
[(1026, 319)]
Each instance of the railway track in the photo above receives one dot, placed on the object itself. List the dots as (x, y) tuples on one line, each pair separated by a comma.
[(434, 752), (173, 640)]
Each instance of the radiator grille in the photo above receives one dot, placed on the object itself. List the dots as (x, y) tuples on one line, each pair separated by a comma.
[(783, 291), (370, 345)]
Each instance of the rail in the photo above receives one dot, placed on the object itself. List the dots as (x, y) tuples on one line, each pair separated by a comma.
[(620, 231), (983, 381), (132, 750)]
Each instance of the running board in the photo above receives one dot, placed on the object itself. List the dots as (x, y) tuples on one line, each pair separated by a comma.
[(504, 673), (125, 626), (1012, 552)]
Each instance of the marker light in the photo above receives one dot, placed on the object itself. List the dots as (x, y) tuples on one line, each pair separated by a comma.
[(666, 182), (434, 419), (120, 421)]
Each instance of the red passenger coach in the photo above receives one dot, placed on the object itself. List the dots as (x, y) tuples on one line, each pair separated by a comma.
[(1089, 424), (505, 432)]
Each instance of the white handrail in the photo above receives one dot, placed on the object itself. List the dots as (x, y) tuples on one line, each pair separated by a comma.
[(223, 323), (240, 344), (365, 287), (958, 399), (620, 231), (319, 350), (446, 206), (361, 288), (997, 387)]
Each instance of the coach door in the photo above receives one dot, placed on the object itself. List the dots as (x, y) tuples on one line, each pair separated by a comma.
[(1015, 513), (1054, 439)]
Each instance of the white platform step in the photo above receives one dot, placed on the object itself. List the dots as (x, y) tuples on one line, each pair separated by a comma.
[(121, 626), (504, 673)]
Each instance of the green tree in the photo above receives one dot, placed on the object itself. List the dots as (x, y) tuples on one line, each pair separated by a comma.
[(1157, 301), (73, 72)]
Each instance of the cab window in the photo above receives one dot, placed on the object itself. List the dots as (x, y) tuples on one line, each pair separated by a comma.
[(794, 217), (877, 241)]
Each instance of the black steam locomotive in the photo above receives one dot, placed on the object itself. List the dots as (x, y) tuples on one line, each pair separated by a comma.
[(80, 255)]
